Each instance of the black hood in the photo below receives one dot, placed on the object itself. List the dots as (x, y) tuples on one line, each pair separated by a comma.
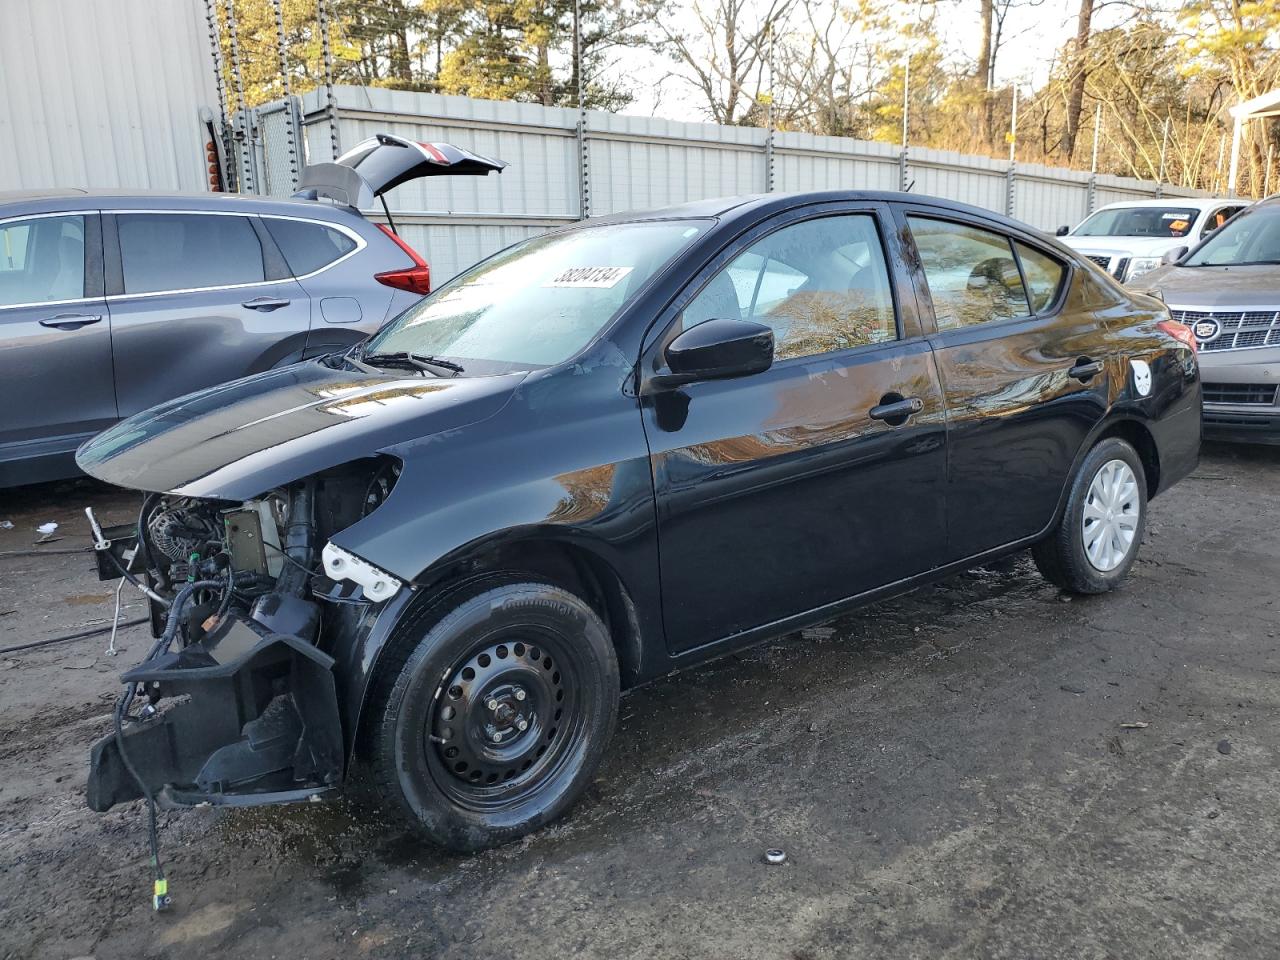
[(240, 439)]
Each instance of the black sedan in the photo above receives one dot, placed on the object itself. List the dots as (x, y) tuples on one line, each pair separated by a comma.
[(612, 450)]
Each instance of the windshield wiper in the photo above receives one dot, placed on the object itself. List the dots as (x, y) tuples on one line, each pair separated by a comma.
[(414, 361)]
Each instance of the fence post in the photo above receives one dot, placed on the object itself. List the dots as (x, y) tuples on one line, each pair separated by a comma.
[(1009, 186), (584, 155), (224, 133), (290, 132), (244, 135), (331, 107), (1093, 166)]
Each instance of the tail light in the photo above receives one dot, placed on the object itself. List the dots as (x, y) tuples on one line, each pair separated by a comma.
[(1180, 332), (415, 279)]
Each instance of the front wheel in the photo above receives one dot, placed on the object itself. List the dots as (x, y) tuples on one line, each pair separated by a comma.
[(1097, 538), (498, 715)]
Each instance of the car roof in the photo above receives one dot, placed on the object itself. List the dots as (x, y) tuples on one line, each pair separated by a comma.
[(764, 204), (1198, 203), (13, 203)]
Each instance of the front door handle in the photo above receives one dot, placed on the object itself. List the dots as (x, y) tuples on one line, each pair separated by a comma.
[(1085, 369), (895, 410), (70, 321), (265, 304)]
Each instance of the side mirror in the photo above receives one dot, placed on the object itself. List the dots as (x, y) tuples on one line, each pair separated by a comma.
[(716, 350), (1062, 231), (1174, 255)]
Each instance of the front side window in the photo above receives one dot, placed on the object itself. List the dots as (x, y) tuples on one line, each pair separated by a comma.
[(186, 251), (307, 247), (1139, 222), (972, 275), (1217, 219), (41, 260), (1251, 237), (541, 301), (822, 285)]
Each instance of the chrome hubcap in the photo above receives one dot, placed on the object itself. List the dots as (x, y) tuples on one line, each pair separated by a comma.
[(1111, 512)]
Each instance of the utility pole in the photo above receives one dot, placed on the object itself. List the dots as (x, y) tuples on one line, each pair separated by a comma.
[(1093, 164), (1164, 149), (906, 116)]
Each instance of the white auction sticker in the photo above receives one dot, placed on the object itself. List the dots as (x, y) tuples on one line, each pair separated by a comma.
[(588, 277)]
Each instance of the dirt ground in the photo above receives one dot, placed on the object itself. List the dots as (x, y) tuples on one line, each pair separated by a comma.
[(949, 774)]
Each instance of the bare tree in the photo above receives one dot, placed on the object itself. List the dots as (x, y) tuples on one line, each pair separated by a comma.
[(727, 57)]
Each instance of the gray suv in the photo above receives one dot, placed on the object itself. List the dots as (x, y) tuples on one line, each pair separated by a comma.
[(1227, 290), (112, 302)]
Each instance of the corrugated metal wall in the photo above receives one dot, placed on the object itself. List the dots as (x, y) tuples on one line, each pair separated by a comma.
[(103, 93), (641, 162)]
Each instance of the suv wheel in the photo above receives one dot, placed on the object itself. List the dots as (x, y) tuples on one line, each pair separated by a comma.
[(495, 719), (1097, 539)]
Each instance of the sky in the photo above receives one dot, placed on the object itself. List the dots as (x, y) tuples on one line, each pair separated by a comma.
[(1032, 34)]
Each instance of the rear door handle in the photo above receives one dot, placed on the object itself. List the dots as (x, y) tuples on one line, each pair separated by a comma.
[(265, 304), (896, 412), (1086, 369), (70, 321)]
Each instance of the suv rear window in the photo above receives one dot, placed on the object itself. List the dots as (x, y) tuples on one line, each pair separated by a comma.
[(186, 251), (308, 246)]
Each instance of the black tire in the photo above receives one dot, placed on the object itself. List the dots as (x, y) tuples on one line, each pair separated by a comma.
[(543, 656), (1063, 557)]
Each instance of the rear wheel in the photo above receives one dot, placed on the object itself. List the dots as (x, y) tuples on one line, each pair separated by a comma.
[(1097, 539), (498, 715)]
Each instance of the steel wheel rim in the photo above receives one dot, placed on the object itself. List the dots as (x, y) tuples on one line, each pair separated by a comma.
[(1109, 521), (504, 720)]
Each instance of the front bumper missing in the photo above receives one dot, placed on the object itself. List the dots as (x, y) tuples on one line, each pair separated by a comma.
[(255, 721)]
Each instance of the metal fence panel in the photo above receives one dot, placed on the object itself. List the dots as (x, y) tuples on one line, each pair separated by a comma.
[(643, 162)]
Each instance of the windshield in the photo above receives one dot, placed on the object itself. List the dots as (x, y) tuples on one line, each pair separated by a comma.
[(539, 302), (1139, 222), (1251, 236)]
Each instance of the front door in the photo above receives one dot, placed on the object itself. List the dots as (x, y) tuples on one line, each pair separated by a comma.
[(197, 299), (55, 340), (1017, 352), (782, 492)]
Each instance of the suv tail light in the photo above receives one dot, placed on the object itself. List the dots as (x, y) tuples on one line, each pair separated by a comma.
[(415, 279), (1180, 332)]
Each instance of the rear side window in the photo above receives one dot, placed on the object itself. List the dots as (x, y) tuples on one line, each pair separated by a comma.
[(822, 285), (972, 275), (1043, 274), (180, 251), (41, 260), (308, 246)]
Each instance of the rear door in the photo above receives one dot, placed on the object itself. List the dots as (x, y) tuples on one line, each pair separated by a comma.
[(1023, 369), (55, 338), (196, 298), (331, 264), (781, 492)]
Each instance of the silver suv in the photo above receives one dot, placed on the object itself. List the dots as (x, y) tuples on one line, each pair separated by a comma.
[(1228, 291), (113, 302)]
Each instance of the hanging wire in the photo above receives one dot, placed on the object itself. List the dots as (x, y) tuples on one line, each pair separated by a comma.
[(290, 133)]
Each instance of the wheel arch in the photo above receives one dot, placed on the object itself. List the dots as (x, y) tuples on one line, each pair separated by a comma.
[(537, 554), (1138, 436)]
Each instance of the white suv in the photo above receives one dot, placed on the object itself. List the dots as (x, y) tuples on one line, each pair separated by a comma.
[(1128, 239)]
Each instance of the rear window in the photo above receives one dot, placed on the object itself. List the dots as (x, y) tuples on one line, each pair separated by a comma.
[(307, 247), (180, 251)]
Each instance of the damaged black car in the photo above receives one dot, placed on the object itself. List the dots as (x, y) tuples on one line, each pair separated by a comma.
[(607, 452)]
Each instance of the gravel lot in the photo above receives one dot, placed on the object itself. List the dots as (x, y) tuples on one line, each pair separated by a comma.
[(949, 774)]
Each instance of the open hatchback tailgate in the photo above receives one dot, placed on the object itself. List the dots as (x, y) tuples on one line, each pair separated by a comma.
[(374, 166)]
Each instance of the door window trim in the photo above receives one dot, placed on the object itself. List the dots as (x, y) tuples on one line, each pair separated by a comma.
[(360, 242), (905, 211), (660, 333)]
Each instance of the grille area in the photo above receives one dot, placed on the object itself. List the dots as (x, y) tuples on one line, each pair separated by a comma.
[(1241, 330), (1260, 393), (1113, 265)]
